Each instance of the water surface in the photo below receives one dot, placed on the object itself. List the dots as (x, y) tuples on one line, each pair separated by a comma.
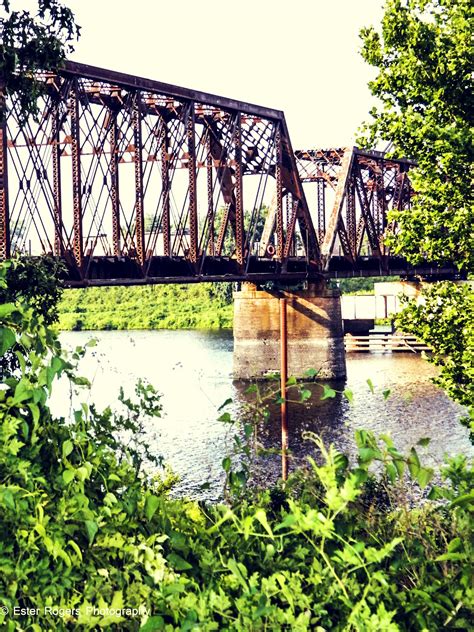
[(193, 372)]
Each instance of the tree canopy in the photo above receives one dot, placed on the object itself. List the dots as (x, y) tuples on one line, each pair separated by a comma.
[(29, 42), (423, 53)]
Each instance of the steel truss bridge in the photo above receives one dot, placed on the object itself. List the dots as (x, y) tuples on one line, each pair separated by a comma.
[(129, 180)]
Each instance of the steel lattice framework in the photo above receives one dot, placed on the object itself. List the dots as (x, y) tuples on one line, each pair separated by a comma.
[(129, 180)]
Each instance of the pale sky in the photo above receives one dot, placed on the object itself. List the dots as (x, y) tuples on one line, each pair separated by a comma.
[(301, 56)]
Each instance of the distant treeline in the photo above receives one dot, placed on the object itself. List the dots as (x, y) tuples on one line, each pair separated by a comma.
[(197, 306), (193, 306), (360, 285)]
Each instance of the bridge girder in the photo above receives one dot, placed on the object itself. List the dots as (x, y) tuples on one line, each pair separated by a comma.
[(129, 180)]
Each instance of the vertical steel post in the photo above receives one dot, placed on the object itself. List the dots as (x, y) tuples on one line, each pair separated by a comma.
[(289, 216), (321, 186), (381, 222), (78, 246), (165, 187), (283, 381), (4, 210), (139, 210), (193, 219), (279, 191), (210, 198), (56, 153), (239, 201), (351, 222), (114, 191)]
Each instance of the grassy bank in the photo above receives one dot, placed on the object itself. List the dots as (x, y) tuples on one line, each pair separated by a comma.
[(199, 306)]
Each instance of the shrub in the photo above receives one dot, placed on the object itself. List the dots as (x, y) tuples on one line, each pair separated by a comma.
[(83, 525)]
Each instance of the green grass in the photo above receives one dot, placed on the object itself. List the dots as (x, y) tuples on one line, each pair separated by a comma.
[(149, 307)]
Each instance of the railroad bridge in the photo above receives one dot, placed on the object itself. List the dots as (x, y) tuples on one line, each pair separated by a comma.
[(133, 181)]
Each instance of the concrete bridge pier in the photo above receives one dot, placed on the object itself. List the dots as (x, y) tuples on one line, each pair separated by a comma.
[(315, 333)]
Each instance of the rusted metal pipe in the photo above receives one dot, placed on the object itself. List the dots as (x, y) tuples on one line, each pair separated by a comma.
[(283, 380)]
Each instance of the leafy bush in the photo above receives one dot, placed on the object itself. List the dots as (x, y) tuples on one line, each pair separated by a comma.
[(84, 526), (37, 282)]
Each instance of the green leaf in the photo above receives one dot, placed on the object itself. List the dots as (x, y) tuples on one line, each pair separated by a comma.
[(366, 455), (68, 476), (371, 385), (226, 403), (226, 463), (6, 309), (23, 391), (465, 500), (311, 373), (7, 339), (91, 528), (7, 498), (400, 465), (424, 442), (261, 516), (328, 392), (349, 395), (67, 448), (386, 393), (35, 412), (178, 563), (305, 394), (454, 545), (153, 624), (226, 418), (451, 557), (391, 472), (387, 439), (424, 476), (291, 381), (248, 430), (151, 505), (413, 463)]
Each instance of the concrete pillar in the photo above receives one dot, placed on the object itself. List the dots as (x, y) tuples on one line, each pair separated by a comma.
[(315, 335)]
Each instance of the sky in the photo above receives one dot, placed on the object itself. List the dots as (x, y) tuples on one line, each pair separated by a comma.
[(298, 56)]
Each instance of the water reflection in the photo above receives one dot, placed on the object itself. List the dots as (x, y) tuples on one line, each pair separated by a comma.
[(193, 371)]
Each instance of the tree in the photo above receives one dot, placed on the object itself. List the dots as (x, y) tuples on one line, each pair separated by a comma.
[(444, 320), (30, 43), (424, 56)]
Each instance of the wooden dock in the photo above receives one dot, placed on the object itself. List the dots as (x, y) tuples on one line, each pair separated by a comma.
[(384, 343)]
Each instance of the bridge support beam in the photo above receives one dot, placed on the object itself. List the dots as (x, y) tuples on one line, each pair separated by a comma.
[(315, 335)]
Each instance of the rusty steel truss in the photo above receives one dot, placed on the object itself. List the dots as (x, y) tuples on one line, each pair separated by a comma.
[(129, 180)]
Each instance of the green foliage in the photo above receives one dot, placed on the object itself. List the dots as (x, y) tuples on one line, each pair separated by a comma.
[(199, 306), (424, 55), (35, 281), (31, 42), (82, 525), (360, 285), (445, 322)]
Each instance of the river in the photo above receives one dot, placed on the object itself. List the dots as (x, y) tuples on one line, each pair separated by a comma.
[(193, 372)]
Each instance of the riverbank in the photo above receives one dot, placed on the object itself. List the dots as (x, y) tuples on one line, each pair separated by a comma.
[(192, 306), (199, 306)]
